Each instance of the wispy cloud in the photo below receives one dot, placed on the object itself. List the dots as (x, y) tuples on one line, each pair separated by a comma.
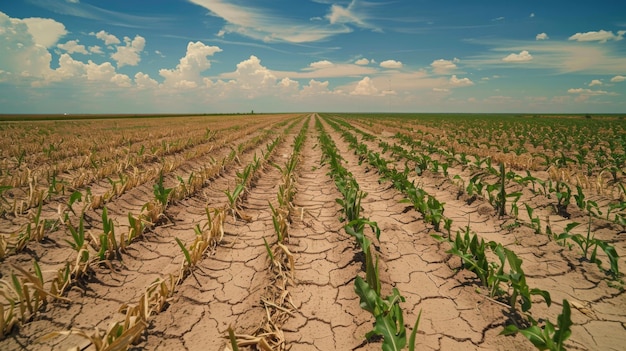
[(562, 57), (78, 9), (262, 24)]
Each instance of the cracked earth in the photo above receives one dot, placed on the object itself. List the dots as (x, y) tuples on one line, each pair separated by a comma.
[(227, 285)]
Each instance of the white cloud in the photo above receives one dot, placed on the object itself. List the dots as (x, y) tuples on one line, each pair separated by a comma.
[(21, 55), (252, 76), (129, 53), (321, 64), (189, 67), (90, 71), (532, 15), (347, 15), (263, 24), (95, 49), (601, 36), (325, 70), (109, 39), (73, 1), (595, 82), (287, 86), (523, 56), (315, 88), (365, 87), (441, 90), (542, 36), (45, 31), (143, 81), (362, 62), (589, 92), (121, 80), (72, 46), (460, 82), (618, 79), (442, 66), (391, 64)]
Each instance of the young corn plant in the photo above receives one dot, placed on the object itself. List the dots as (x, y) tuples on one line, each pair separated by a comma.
[(535, 222), (79, 243), (589, 245), (549, 336), (109, 248)]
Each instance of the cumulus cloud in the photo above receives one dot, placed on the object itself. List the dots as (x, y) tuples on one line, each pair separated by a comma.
[(90, 71), (45, 31), (95, 49), (109, 39), (441, 90), (362, 62), (315, 88), (143, 81), (523, 56), (365, 87), (442, 66), (618, 79), (252, 76), (129, 53), (460, 82), (601, 36), (72, 46), (391, 64), (542, 36), (321, 64), (189, 67), (287, 85), (595, 82), (21, 54)]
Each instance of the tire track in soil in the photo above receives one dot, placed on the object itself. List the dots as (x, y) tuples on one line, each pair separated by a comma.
[(548, 266), (454, 316), (328, 315), (154, 256), (231, 281)]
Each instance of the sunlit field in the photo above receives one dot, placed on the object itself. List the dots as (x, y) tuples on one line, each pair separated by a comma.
[(313, 232)]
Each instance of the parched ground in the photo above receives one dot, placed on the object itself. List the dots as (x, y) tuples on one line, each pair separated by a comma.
[(227, 285)]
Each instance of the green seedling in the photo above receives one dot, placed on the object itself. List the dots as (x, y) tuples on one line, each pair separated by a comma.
[(548, 337), (161, 194)]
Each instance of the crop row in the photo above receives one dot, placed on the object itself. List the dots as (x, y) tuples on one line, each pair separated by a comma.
[(104, 247), (500, 198), (276, 299), (389, 323), (471, 251), (35, 228)]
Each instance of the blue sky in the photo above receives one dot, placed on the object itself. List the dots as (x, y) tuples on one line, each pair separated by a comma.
[(187, 56)]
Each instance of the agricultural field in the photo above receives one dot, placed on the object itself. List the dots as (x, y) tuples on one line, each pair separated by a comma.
[(313, 232)]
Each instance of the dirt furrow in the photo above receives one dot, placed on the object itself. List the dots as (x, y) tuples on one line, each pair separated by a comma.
[(548, 265), (328, 315), (227, 286), (157, 255), (454, 316)]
